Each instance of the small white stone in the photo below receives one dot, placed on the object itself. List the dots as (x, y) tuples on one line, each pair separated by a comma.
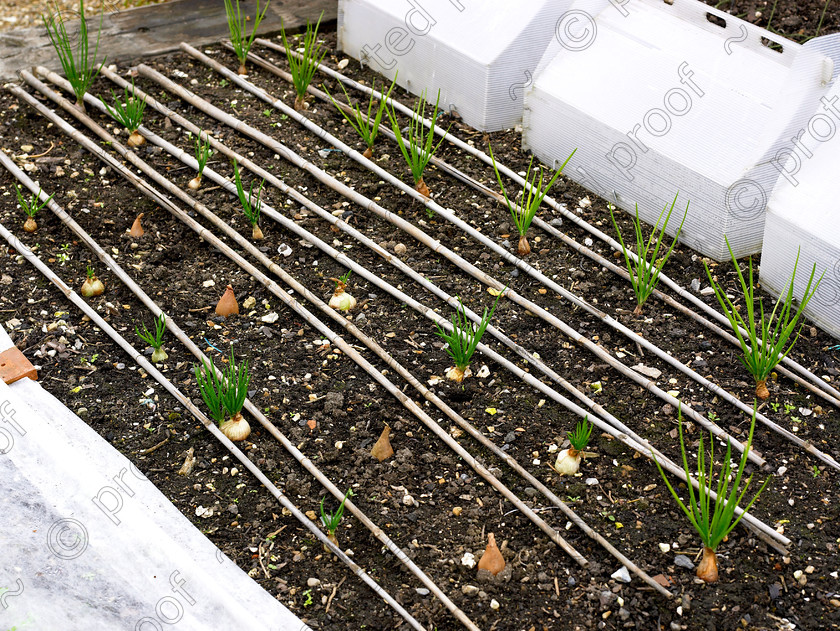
[(494, 605), (313, 582), (781, 470), (797, 574), (270, 318), (621, 575), (208, 283), (468, 560), (343, 63), (665, 547)]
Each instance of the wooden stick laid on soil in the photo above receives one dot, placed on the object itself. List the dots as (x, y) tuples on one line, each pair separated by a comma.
[(150, 369), (642, 445), (579, 221), (341, 320), (435, 245), (536, 274), (145, 188), (471, 182)]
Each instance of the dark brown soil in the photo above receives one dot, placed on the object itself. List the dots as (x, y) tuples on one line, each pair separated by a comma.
[(297, 378)]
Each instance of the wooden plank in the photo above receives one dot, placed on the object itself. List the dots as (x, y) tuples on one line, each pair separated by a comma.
[(155, 29)]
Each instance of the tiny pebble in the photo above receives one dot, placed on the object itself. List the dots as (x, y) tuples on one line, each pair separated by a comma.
[(591, 481), (588, 242), (399, 249), (313, 582), (468, 560), (494, 604), (797, 574), (665, 547), (469, 590), (621, 575), (683, 561), (695, 285), (422, 591), (810, 569)]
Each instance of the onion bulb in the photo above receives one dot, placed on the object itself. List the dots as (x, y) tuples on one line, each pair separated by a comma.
[(421, 188), (194, 183), (761, 390), (523, 248), (242, 70), (568, 462), (708, 568), (159, 355), (257, 233), (92, 287), (236, 428), (227, 305), (382, 450), (137, 228), (341, 300), (457, 375), (492, 560), (135, 139), (368, 153), (29, 225)]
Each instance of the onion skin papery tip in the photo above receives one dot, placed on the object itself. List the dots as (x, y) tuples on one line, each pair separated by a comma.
[(135, 139), (708, 568), (523, 248), (637, 311), (237, 428), (137, 228), (568, 462), (761, 390), (227, 305), (300, 103), (29, 225), (194, 183), (492, 560)]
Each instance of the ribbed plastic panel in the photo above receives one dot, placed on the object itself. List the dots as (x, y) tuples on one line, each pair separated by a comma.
[(480, 57), (663, 98), (804, 215)]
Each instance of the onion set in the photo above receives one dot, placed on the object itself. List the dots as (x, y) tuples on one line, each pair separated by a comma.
[(420, 147), (644, 272), (92, 285), (250, 205), (463, 339), (568, 460), (764, 346), (30, 207), (331, 521), (239, 38), (366, 125), (224, 395), (155, 340), (713, 526), (341, 300), (303, 65), (202, 154), (128, 113), (526, 208)]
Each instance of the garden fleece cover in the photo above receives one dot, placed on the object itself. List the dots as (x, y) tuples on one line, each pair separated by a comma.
[(88, 543)]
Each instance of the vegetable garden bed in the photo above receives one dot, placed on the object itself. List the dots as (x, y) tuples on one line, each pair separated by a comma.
[(429, 501)]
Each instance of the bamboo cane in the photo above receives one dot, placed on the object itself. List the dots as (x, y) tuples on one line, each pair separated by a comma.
[(252, 409), (436, 246), (636, 442), (292, 282), (580, 222), (187, 403), (471, 182), (576, 300)]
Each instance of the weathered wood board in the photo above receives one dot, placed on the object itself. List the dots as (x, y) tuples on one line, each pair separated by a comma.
[(155, 29)]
